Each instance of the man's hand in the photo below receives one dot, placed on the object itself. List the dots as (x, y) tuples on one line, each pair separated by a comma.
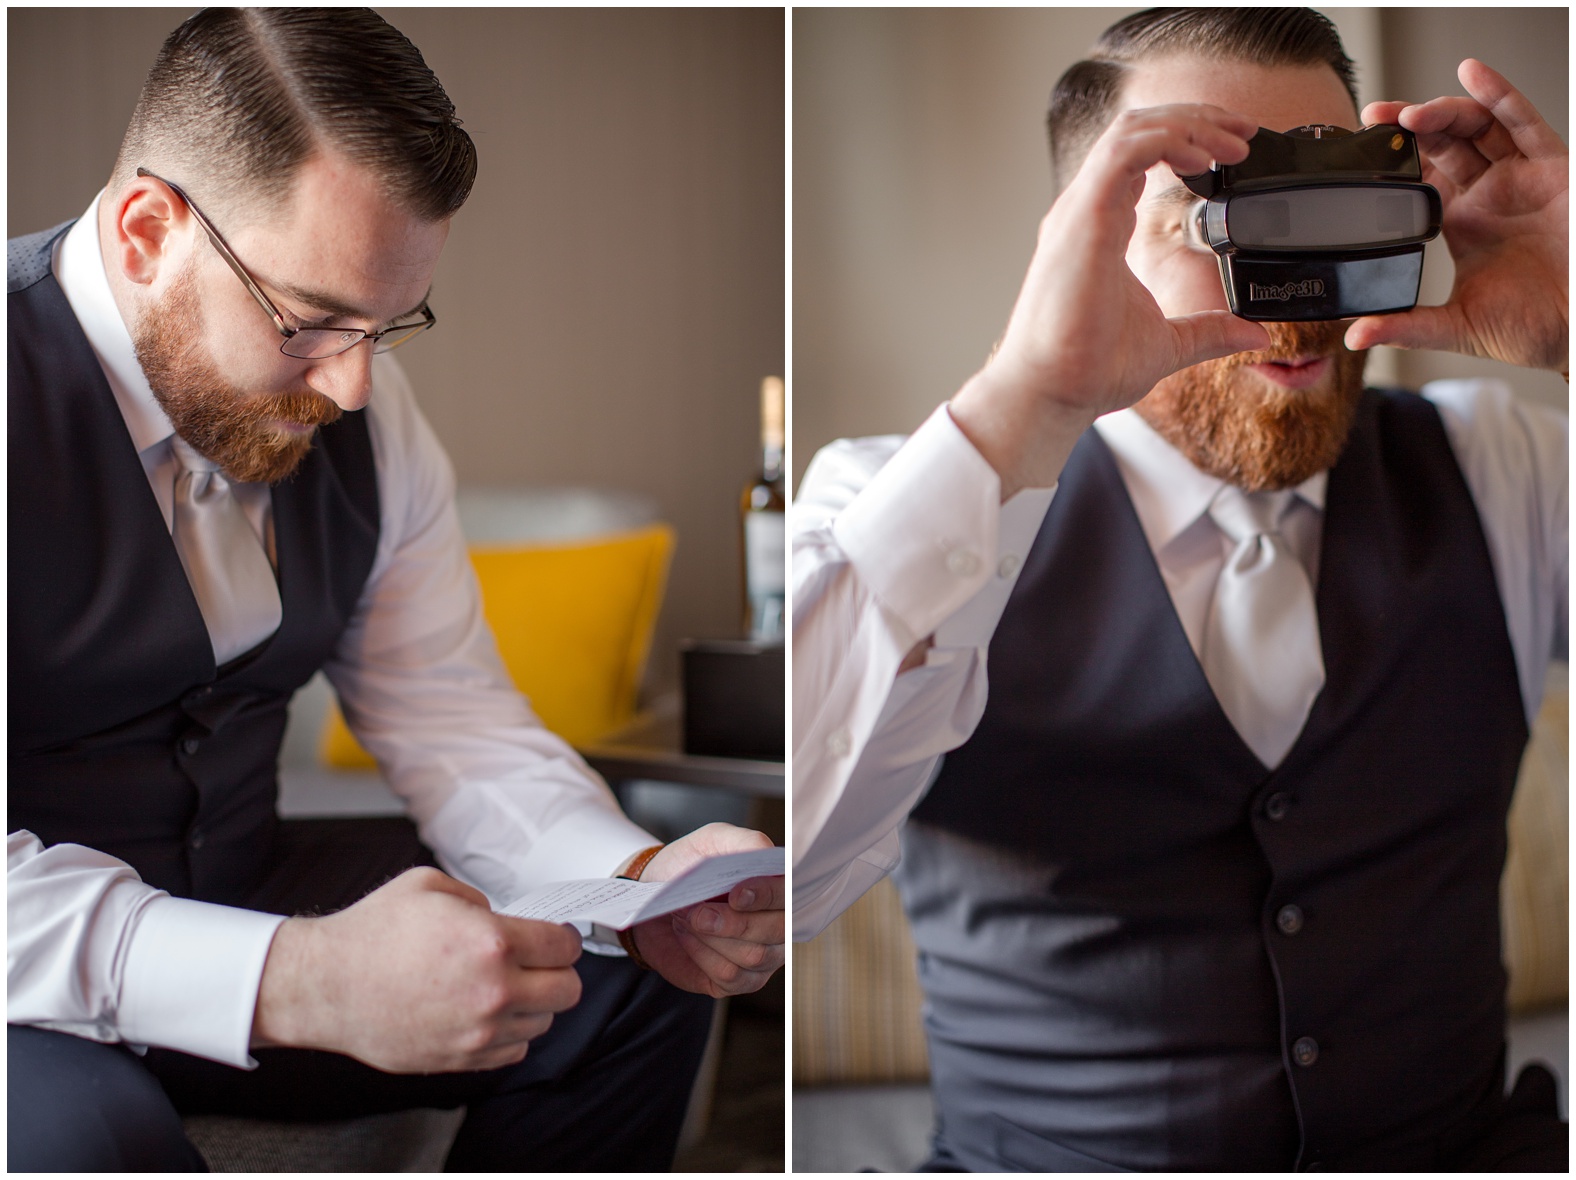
[(418, 976), (719, 948), (1502, 174), (1086, 337)]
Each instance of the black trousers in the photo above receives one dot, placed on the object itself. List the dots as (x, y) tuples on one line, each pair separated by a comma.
[(604, 1089)]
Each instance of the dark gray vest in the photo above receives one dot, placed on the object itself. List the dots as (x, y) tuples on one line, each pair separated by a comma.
[(1143, 950), (124, 736)]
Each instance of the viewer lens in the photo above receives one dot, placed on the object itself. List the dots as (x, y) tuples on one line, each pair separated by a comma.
[(1330, 217)]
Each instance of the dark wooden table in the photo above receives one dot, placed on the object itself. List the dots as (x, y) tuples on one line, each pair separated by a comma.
[(651, 747)]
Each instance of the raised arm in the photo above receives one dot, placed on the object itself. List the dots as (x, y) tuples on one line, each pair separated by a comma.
[(1086, 337), (1503, 175), (905, 553)]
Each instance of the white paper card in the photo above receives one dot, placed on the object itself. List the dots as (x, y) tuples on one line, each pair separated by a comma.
[(622, 904)]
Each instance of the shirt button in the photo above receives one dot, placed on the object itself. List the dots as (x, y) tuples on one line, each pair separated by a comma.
[(1289, 919), (189, 745), (963, 563), (839, 742), (1305, 1051), (1277, 805), (196, 839), (1009, 565)]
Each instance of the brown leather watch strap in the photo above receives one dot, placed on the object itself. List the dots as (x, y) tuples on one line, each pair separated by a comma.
[(626, 938), (642, 859)]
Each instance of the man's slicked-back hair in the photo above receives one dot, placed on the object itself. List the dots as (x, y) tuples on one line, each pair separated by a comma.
[(1085, 98), (239, 99)]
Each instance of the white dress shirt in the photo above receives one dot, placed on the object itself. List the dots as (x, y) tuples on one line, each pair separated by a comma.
[(505, 804), (898, 540)]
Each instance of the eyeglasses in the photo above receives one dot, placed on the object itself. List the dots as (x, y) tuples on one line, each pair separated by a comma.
[(307, 344)]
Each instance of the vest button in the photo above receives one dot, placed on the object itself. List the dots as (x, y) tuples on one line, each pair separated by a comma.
[(1009, 565), (196, 839), (1277, 805), (1289, 919), (1305, 1051), (189, 745)]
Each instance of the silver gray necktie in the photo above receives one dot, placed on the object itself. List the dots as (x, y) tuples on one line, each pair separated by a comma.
[(1261, 649), (225, 563)]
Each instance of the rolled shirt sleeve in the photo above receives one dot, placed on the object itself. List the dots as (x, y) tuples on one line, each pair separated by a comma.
[(506, 804), (1514, 455), (894, 543)]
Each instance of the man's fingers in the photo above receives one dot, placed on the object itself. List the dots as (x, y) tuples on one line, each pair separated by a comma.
[(539, 944), (759, 893), (728, 978), (726, 922), (1533, 136), (527, 1026), (1382, 112), (1459, 117), (502, 1055), (1188, 138), (547, 990), (753, 954), (1205, 335), (1458, 137), (434, 881), (1462, 136), (1422, 327)]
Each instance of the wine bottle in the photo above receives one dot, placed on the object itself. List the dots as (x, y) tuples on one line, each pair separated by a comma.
[(761, 508)]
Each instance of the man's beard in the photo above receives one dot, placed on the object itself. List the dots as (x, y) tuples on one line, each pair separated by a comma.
[(1251, 433), (237, 430)]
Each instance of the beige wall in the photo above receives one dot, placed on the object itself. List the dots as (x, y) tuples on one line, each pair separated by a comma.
[(920, 176), (613, 292)]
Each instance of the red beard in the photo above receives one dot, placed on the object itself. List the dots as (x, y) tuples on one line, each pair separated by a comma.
[(1250, 433), (237, 430)]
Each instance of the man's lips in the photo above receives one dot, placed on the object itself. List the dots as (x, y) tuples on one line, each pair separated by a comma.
[(1302, 373)]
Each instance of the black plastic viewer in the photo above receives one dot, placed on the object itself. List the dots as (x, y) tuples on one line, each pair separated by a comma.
[(1319, 223)]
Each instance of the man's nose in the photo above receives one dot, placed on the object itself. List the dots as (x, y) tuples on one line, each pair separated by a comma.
[(346, 379)]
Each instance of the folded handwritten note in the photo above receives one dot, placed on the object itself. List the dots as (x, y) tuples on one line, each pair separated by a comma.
[(622, 904)]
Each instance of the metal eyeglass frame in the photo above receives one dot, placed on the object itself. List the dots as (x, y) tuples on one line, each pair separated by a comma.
[(409, 330)]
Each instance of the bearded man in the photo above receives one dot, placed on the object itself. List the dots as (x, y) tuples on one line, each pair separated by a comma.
[(215, 491), (1208, 879)]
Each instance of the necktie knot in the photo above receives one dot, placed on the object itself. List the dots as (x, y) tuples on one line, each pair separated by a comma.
[(1241, 515), (190, 458)]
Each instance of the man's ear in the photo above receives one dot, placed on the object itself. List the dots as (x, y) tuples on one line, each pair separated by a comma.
[(149, 232)]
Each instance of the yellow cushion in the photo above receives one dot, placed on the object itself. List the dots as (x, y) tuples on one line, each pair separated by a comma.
[(573, 623)]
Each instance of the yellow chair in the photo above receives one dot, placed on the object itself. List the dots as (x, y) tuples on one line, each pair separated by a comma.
[(573, 620)]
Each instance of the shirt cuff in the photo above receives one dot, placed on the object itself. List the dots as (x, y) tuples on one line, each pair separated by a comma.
[(505, 858), (587, 843), (929, 531), (191, 980), (973, 624)]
